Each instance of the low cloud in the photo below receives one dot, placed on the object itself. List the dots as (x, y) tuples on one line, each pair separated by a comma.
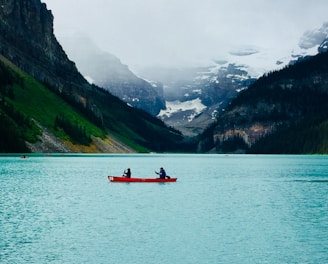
[(244, 51), (312, 38), (170, 32)]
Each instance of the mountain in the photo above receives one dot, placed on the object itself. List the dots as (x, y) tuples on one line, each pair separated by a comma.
[(213, 87), (107, 71), (27, 39), (195, 95), (35, 119), (284, 111), (35, 67)]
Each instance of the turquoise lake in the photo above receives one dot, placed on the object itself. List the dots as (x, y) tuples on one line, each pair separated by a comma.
[(222, 209)]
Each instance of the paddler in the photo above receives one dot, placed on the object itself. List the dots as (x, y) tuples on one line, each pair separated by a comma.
[(127, 173), (161, 173)]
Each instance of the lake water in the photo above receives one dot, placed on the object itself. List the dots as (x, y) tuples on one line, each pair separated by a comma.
[(222, 209)]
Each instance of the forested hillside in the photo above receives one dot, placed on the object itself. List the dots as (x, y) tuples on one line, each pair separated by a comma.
[(27, 107), (42, 91), (283, 112)]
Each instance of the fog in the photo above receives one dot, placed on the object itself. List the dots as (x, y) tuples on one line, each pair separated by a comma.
[(188, 32)]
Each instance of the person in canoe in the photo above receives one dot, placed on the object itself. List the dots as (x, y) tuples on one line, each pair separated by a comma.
[(162, 174), (127, 173)]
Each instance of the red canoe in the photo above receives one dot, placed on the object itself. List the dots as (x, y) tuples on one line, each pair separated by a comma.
[(124, 179)]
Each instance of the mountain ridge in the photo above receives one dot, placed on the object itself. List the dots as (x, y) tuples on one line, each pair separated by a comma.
[(284, 111), (242, 66), (107, 71), (213, 85), (28, 111)]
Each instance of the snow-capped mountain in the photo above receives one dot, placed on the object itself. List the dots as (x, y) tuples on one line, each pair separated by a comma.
[(190, 98), (194, 96)]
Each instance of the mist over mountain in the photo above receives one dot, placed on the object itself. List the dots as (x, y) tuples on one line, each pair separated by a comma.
[(107, 71), (195, 95), (313, 38), (159, 90), (45, 98), (217, 84)]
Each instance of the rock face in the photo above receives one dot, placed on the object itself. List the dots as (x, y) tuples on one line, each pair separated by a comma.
[(194, 96), (42, 56), (27, 39)]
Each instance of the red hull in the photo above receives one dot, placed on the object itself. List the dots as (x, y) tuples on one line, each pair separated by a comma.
[(124, 179)]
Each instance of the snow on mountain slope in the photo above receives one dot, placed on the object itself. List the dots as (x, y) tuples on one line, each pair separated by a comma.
[(257, 61), (202, 91), (260, 61), (195, 106)]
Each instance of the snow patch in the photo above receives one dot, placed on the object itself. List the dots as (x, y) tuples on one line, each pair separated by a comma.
[(173, 107)]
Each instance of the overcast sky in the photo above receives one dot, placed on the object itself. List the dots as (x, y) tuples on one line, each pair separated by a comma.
[(182, 32)]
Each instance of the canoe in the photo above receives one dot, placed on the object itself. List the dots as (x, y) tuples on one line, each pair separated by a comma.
[(124, 179)]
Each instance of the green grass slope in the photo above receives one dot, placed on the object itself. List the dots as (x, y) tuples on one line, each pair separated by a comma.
[(26, 104), (24, 100)]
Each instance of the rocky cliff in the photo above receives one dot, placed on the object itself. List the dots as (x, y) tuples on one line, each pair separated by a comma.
[(27, 41), (41, 56)]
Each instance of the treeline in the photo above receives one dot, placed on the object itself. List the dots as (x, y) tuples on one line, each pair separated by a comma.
[(232, 144), (307, 75), (90, 111), (73, 129), (15, 127), (6, 77), (11, 137), (294, 101), (305, 67), (303, 115), (139, 126), (303, 138), (280, 104)]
